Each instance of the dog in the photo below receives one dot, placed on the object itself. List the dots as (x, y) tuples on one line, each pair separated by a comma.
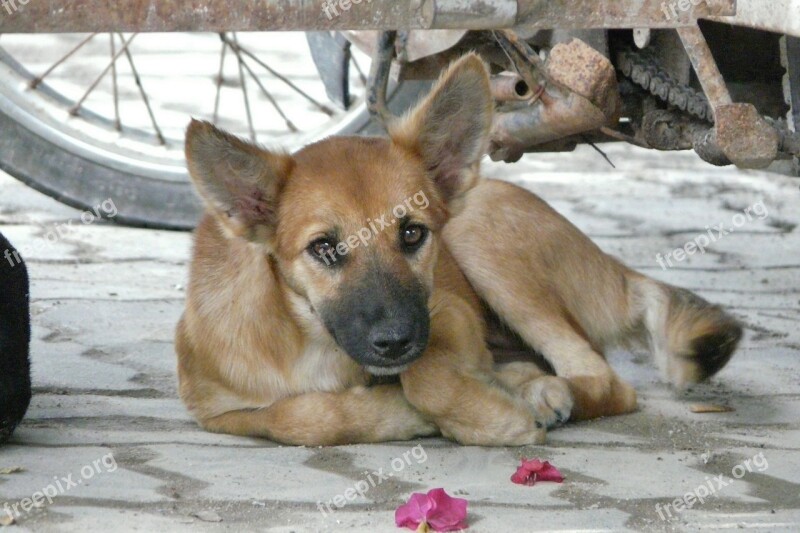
[(318, 312), (15, 337)]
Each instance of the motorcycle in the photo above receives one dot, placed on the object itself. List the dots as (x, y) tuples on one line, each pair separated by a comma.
[(720, 77)]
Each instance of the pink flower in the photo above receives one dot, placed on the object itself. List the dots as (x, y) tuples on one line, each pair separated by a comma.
[(435, 510), (533, 470)]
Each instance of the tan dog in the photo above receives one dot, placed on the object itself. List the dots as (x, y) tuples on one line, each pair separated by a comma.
[(308, 280)]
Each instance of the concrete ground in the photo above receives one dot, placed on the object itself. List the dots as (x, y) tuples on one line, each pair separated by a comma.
[(106, 300)]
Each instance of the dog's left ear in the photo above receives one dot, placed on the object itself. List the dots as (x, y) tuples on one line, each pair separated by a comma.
[(450, 128)]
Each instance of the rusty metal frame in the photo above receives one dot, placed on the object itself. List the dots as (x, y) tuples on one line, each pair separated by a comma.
[(42, 16), (588, 14), (740, 132), (379, 76), (705, 66)]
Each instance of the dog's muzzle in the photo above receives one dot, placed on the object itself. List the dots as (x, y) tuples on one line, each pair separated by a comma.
[(382, 324)]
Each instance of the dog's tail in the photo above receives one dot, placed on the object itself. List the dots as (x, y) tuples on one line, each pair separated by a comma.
[(690, 338)]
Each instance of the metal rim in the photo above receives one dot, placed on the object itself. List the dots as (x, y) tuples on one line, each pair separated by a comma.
[(43, 112)]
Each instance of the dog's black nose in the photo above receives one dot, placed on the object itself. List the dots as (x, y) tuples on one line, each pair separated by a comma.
[(391, 339)]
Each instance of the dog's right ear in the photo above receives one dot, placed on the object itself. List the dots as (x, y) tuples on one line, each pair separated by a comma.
[(239, 181)]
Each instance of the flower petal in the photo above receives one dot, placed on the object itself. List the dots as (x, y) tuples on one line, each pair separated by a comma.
[(549, 473), (447, 513), (413, 513), (533, 465), (533, 470), (521, 476)]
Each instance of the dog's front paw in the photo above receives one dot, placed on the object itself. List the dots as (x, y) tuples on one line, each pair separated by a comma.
[(550, 399), (521, 432)]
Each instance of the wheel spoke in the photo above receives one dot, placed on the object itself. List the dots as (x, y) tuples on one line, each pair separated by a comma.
[(237, 51), (269, 96), (77, 107), (243, 81), (142, 92), (322, 107), (117, 121), (220, 79), (106, 107), (361, 76), (36, 81)]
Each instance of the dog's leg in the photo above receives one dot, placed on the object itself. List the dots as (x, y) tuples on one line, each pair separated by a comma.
[(467, 407), (596, 388), (550, 284), (549, 396), (454, 384), (356, 415)]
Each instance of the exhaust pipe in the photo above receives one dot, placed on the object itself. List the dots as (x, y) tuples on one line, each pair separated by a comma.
[(508, 87)]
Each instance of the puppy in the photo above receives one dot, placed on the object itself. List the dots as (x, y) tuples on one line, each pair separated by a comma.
[(314, 273), (15, 334)]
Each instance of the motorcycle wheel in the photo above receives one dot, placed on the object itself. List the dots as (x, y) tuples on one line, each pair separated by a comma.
[(86, 118)]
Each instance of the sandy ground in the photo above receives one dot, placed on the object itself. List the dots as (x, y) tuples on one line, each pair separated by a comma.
[(106, 412)]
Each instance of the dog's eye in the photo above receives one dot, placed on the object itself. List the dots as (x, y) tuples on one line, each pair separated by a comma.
[(413, 236), (323, 249)]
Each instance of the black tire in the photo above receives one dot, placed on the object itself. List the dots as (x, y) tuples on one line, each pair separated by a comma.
[(142, 201), (15, 337), (793, 86), (84, 184)]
